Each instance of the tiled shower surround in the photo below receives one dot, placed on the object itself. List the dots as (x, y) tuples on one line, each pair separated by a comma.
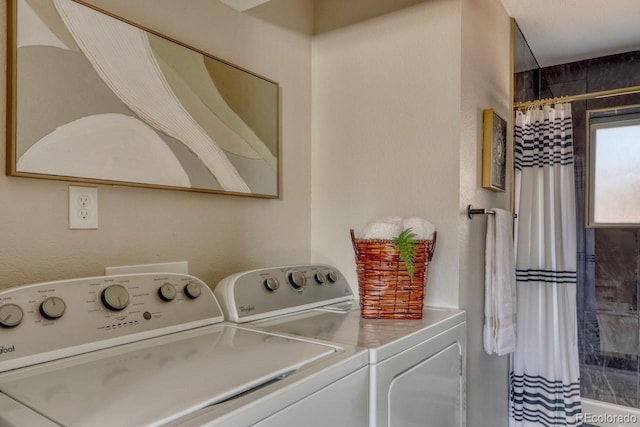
[(608, 258)]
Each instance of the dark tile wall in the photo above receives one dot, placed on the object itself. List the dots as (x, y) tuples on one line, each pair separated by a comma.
[(526, 68), (527, 86), (608, 316)]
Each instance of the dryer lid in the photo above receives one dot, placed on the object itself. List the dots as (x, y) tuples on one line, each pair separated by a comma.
[(161, 379), (382, 337)]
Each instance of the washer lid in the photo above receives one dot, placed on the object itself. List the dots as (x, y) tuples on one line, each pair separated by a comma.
[(158, 380)]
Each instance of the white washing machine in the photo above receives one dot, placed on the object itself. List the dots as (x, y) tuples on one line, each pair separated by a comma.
[(151, 349), (416, 367)]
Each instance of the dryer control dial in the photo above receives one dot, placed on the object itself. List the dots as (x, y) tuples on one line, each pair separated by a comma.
[(193, 290), (10, 315), (167, 292), (333, 276), (297, 279), (271, 284), (52, 308), (115, 297), (321, 278)]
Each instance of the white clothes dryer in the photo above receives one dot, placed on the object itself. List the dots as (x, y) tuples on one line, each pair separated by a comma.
[(151, 350), (416, 367)]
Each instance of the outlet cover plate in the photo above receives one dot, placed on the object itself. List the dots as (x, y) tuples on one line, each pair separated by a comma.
[(83, 207)]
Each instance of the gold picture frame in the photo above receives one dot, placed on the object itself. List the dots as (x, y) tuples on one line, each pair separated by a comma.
[(494, 151), (127, 105)]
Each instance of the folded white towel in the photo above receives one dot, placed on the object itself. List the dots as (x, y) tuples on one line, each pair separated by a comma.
[(390, 227), (499, 333), (381, 230), (422, 228)]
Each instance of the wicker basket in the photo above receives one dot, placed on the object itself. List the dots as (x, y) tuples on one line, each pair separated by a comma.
[(386, 290)]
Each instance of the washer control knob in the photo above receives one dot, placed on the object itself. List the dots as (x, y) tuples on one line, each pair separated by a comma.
[(193, 290), (10, 315), (333, 276), (271, 283), (115, 297), (297, 279), (167, 292), (321, 278), (52, 308)]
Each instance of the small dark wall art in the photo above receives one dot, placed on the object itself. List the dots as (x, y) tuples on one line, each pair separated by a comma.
[(494, 151), (93, 97)]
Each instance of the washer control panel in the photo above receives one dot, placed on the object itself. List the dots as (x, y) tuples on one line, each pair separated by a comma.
[(267, 292), (44, 321)]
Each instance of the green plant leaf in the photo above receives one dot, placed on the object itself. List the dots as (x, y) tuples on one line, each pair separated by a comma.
[(405, 242)]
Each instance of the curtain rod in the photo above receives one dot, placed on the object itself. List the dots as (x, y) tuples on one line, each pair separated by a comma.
[(582, 97)]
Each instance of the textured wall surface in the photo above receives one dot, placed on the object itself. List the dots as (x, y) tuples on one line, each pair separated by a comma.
[(217, 234), (397, 130), (386, 113), (486, 76)]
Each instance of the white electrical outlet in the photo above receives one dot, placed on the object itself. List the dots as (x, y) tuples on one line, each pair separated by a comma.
[(83, 207)]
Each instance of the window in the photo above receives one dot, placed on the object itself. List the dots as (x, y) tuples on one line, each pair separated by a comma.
[(613, 181)]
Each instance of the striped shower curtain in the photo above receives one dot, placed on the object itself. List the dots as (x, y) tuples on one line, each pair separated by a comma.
[(545, 387)]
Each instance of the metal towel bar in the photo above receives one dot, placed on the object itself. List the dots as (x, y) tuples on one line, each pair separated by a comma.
[(471, 212)]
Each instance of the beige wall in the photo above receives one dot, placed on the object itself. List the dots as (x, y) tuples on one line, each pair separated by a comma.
[(397, 129), (397, 104), (386, 137), (217, 234), (485, 84)]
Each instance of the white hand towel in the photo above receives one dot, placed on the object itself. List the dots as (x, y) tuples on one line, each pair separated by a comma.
[(422, 228), (499, 334)]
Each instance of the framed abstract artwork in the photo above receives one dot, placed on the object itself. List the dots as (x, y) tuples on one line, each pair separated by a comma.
[(494, 151), (95, 98)]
